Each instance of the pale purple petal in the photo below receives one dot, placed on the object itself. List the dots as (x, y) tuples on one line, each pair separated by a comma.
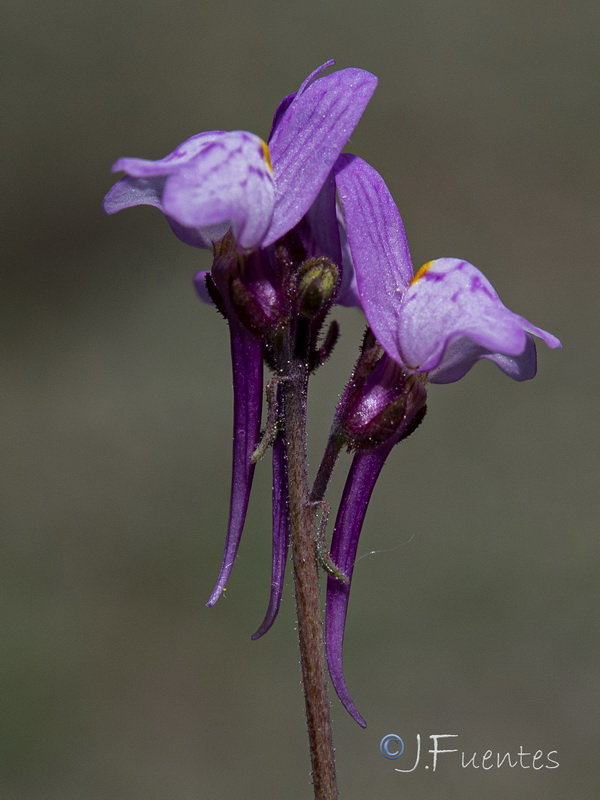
[(130, 192), (281, 534), (463, 353), (451, 316), (148, 191), (520, 368), (247, 366), (552, 341), (231, 182), (378, 245), (323, 234), (204, 237), (315, 74), (208, 184), (308, 140), (322, 222), (348, 295), (287, 100), (184, 153)]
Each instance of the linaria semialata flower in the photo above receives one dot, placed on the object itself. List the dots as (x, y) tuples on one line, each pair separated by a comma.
[(220, 180), (439, 321), (432, 326), (232, 192)]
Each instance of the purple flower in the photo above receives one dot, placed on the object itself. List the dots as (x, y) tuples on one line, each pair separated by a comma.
[(232, 192), (438, 322), (220, 180)]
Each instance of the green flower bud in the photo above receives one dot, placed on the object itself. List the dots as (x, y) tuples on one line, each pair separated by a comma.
[(317, 286)]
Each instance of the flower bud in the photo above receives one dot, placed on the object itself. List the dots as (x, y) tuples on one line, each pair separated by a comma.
[(317, 286)]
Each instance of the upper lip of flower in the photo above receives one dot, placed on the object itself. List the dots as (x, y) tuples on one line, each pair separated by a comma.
[(219, 179)]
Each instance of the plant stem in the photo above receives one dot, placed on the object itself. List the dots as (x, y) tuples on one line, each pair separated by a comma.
[(332, 451), (306, 582)]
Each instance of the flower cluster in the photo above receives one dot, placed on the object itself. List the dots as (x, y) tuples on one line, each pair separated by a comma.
[(285, 250)]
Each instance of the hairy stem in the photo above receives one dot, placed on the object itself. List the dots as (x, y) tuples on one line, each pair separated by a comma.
[(306, 581)]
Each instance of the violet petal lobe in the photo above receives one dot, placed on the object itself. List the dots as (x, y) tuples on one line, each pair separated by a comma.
[(145, 183), (451, 316), (322, 221), (231, 182), (315, 74), (247, 365), (463, 353), (130, 192), (287, 100), (183, 154), (361, 480), (378, 245), (328, 238), (281, 534), (308, 139), (348, 295)]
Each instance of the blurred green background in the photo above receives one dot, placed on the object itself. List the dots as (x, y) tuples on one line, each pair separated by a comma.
[(477, 612)]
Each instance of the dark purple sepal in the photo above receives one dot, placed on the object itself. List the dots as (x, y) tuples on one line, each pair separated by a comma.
[(281, 534), (247, 367)]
